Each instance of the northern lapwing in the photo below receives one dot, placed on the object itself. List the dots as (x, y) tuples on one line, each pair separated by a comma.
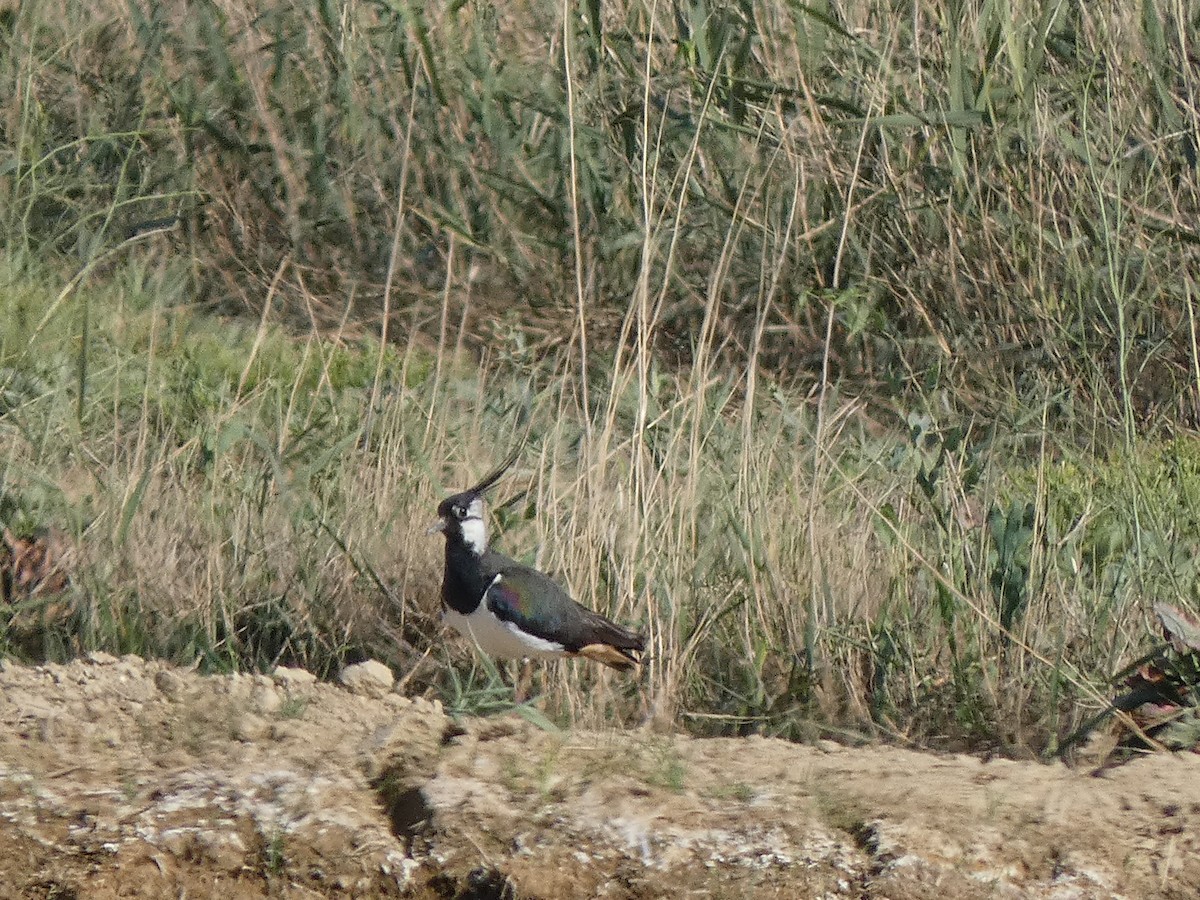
[(512, 611)]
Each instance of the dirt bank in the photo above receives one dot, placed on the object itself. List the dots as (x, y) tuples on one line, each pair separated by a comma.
[(125, 778)]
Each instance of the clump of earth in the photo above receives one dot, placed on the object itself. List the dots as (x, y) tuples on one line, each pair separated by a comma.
[(131, 778)]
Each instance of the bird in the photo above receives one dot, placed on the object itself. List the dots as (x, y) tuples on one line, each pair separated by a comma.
[(513, 611)]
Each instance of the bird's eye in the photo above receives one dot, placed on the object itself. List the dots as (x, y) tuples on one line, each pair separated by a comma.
[(460, 512)]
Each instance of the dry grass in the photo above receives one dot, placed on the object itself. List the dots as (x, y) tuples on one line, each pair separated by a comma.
[(849, 344), (797, 574)]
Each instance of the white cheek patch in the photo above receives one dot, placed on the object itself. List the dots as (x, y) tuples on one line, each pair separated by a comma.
[(474, 533)]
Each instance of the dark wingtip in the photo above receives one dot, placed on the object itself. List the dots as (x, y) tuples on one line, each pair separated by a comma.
[(495, 474)]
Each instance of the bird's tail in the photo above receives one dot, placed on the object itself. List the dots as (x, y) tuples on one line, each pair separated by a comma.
[(616, 657), (613, 645)]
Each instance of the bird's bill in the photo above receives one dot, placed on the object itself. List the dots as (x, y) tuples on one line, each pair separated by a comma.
[(439, 525)]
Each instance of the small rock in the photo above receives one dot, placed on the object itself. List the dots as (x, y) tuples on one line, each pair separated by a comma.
[(100, 658), (369, 679), (289, 678), (221, 847), (96, 710), (266, 698), (173, 758), (168, 682), (250, 728), (236, 684), (427, 707), (48, 729), (134, 691)]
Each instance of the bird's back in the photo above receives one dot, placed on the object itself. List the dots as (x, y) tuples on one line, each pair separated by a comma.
[(537, 602)]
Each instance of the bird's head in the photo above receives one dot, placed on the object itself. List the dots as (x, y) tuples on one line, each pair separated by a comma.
[(460, 516)]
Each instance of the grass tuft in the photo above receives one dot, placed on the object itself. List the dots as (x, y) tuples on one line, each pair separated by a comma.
[(855, 352)]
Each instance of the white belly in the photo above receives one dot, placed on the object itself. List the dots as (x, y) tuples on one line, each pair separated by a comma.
[(501, 639)]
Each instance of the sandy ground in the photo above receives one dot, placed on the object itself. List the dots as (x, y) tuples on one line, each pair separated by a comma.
[(125, 778)]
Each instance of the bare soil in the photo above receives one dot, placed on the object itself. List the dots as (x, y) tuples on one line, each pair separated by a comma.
[(127, 778)]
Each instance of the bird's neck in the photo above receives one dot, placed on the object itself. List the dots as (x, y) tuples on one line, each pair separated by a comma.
[(463, 582)]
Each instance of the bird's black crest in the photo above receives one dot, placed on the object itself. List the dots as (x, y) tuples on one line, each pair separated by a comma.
[(494, 476)]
